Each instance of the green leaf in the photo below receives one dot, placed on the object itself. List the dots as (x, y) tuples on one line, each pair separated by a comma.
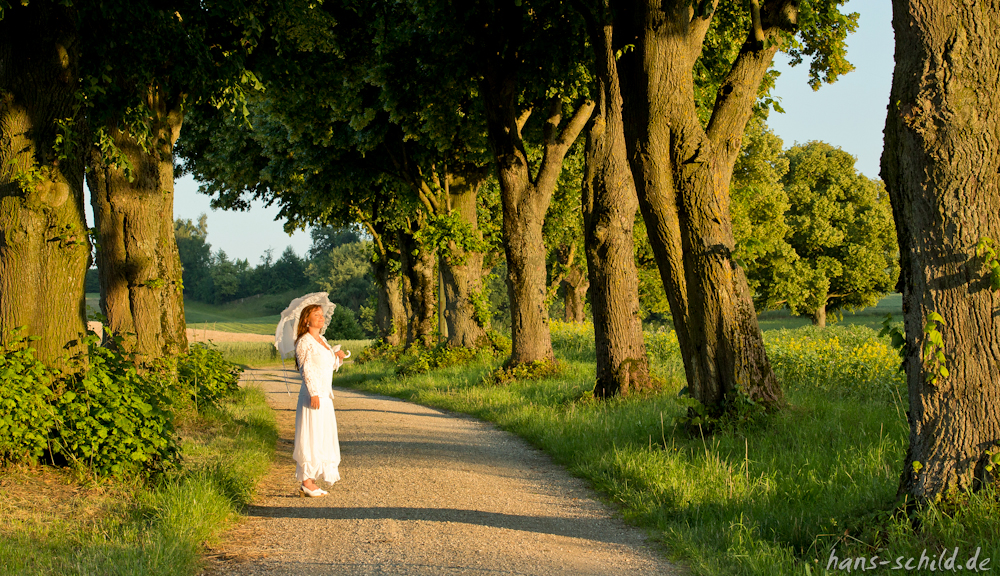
[(936, 318)]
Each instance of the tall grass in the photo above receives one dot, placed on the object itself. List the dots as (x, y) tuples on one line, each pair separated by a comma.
[(772, 497), (158, 530)]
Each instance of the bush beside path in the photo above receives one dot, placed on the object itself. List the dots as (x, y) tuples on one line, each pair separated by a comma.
[(426, 492)]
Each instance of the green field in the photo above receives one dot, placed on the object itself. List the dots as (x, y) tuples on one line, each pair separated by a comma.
[(870, 317)]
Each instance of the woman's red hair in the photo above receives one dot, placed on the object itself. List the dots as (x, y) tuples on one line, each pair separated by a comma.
[(303, 325)]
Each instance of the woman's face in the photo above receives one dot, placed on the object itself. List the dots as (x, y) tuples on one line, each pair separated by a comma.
[(316, 318)]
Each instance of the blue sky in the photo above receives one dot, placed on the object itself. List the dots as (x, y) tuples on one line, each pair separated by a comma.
[(849, 113)]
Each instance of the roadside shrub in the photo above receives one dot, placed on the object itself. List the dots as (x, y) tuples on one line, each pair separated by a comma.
[(537, 370), (26, 413), (422, 360), (379, 350), (114, 420), (206, 376), (103, 414)]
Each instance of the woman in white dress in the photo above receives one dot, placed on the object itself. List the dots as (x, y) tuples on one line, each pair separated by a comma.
[(317, 449)]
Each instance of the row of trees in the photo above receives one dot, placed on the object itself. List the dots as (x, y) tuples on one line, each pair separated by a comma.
[(393, 115)]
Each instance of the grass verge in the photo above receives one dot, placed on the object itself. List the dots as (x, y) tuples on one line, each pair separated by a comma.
[(776, 496), (53, 523)]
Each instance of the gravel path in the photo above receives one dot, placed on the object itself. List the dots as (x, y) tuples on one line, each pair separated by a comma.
[(425, 492)]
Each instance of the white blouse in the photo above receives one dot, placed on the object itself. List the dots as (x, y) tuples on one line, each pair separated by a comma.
[(316, 364)]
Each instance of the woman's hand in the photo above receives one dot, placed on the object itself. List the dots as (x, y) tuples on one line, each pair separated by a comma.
[(340, 354), (314, 402)]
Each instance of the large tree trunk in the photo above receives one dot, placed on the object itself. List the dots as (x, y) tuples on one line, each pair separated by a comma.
[(525, 202), (940, 166), (682, 173), (418, 268), (390, 313), (609, 206), (462, 269), (44, 248), (137, 258)]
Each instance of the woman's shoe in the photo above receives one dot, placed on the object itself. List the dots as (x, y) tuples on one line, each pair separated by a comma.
[(305, 492)]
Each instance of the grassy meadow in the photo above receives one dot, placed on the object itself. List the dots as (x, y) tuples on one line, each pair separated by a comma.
[(795, 492)]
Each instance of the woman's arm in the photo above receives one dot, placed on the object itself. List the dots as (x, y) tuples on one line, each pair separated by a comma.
[(306, 356)]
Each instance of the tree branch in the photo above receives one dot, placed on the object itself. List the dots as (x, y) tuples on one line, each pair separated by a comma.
[(522, 120), (738, 92), (556, 147)]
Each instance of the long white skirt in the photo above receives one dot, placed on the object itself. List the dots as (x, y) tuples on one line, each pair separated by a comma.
[(317, 448)]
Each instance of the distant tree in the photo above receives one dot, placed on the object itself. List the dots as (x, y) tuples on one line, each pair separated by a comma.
[(196, 257), (840, 226), (563, 234), (326, 238), (346, 273), (759, 203), (654, 308), (226, 277), (288, 272), (344, 325), (93, 283)]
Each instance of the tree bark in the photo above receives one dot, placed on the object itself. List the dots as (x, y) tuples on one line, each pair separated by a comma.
[(44, 248), (462, 269), (609, 207), (137, 258), (682, 173), (418, 269), (525, 201), (940, 167), (390, 312)]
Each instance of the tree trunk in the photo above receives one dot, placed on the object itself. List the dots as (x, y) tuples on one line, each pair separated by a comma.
[(609, 206), (44, 248), (940, 167), (462, 270), (682, 173), (390, 314), (418, 268), (525, 202), (576, 284), (137, 257), (819, 316)]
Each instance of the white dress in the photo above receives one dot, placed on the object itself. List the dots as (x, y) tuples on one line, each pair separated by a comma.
[(317, 449)]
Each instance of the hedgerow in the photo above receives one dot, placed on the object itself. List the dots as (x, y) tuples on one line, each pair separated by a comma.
[(103, 413)]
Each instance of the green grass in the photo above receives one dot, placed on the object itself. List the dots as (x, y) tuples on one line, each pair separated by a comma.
[(771, 497), (253, 316), (155, 530)]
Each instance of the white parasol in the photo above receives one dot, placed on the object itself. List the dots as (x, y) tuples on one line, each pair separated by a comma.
[(284, 334)]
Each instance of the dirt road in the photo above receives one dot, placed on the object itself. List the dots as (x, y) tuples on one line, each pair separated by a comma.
[(425, 492)]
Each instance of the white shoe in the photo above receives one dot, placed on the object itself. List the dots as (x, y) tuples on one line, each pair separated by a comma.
[(304, 492)]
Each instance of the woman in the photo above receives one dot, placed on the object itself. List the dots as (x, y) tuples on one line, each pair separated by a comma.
[(317, 449)]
